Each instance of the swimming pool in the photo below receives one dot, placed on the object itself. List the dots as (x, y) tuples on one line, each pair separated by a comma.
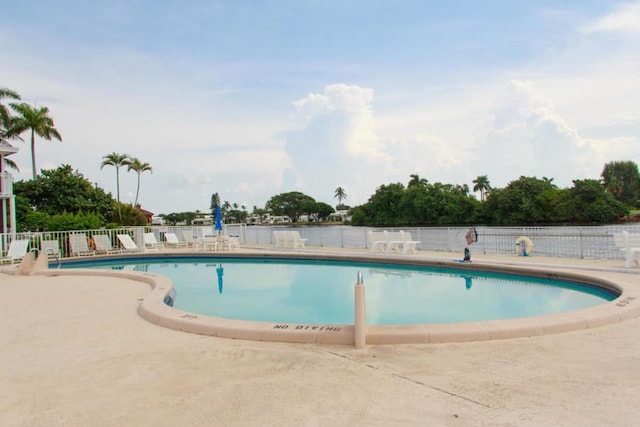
[(308, 291)]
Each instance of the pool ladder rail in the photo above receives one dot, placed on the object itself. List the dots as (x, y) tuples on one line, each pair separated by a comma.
[(36, 253)]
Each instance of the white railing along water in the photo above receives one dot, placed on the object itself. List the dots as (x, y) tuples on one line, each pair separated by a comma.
[(569, 242)]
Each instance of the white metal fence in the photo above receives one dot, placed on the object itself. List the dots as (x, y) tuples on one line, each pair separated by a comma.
[(571, 242), (36, 239)]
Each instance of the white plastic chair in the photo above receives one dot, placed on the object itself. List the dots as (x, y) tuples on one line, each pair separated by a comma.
[(17, 250), (79, 246), (150, 241), (103, 244), (130, 246), (172, 241), (51, 248)]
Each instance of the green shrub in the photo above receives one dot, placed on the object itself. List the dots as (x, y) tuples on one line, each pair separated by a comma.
[(34, 221), (79, 221)]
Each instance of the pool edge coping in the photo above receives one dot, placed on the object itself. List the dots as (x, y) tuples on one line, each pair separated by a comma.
[(153, 309)]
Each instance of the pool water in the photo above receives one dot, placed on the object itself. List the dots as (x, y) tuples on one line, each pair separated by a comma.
[(321, 292)]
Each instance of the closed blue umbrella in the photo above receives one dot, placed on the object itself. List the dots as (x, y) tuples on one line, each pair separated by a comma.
[(218, 219)]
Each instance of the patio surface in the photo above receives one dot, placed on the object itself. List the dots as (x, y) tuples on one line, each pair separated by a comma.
[(76, 353)]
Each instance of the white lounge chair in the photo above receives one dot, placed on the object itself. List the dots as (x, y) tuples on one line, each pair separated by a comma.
[(171, 240), (51, 248), (17, 250), (150, 241), (130, 246), (103, 244), (78, 245)]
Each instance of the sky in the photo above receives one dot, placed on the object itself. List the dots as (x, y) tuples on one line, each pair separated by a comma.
[(251, 99)]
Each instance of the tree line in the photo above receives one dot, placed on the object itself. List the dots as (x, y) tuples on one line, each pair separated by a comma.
[(525, 201), (62, 199)]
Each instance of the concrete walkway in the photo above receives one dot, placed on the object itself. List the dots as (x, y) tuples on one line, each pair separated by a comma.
[(75, 353)]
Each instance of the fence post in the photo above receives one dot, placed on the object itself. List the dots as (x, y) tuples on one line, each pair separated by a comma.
[(580, 242)]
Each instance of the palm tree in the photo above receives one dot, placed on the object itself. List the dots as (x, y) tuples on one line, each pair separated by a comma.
[(613, 185), (340, 194), (225, 208), (117, 161), (38, 121), (416, 181), (5, 121), (11, 164), (215, 201), (549, 182), (5, 118), (622, 179), (136, 165), (481, 184)]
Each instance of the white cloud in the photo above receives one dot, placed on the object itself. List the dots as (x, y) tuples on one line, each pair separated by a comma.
[(194, 152), (528, 137), (429, 156), (624, 19), (335, 144), (353, 104), (339, 142)]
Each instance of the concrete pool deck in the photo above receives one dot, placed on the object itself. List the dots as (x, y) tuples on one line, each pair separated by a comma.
[(75, 352)]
